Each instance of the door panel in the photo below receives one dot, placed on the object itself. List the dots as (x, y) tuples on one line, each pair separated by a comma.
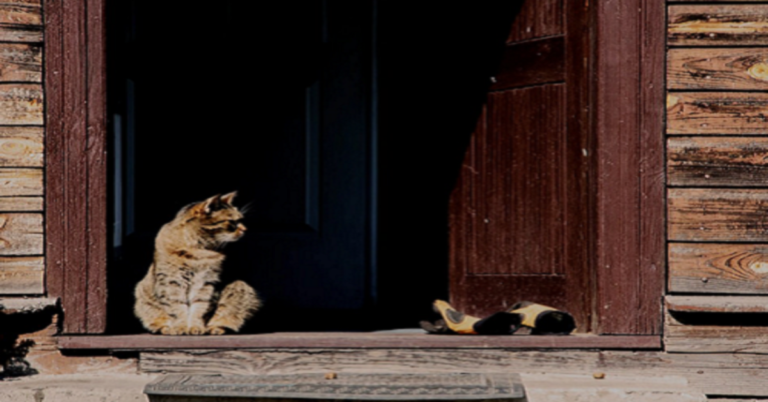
[(517, 220)]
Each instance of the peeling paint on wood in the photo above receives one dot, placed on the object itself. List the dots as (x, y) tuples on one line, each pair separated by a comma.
[(21, 182), (21, 234), (717, 214), (718, 268), (717, 113), (22, 275), (21, 146), (708, 25), (21, 104), (717, 161), (718, 69)]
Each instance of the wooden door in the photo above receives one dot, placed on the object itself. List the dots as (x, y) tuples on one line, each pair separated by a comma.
[(518, 214)]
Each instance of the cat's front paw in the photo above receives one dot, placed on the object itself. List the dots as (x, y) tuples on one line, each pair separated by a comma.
[(216, 330), (197, 330), (173, 330)]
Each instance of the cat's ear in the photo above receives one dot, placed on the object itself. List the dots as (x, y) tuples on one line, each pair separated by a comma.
[(211, 204), (228, 198)]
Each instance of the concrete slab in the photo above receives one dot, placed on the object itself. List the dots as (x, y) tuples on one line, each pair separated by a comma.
[(598, 387)]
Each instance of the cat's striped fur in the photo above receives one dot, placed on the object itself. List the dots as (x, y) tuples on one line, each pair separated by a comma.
[(178, 295)]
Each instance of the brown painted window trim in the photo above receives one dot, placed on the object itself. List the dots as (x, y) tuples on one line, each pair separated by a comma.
[(627, 72)]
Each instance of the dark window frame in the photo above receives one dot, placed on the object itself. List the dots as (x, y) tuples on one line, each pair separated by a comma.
[(627, 73)]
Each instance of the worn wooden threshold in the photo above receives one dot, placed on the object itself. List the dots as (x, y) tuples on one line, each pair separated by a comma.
[(347, 340)]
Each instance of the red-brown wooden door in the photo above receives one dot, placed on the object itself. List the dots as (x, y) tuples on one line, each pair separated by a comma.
[(518, 214)]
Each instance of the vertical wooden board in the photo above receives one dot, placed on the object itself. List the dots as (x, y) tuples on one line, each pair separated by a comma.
[(21, 234), (22, 275), (21, 146), (652, 179), (718, 268), (21, 21), (699, 113), (97, 168), (519, 204), (718, 69), (717, 215), (21, 63), (21, 182), (718, 161), (21, 104), (74, 20), (55, 224), (718, 25), (538, 19)]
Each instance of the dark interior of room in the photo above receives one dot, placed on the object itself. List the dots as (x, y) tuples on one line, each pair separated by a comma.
[(342, 125)]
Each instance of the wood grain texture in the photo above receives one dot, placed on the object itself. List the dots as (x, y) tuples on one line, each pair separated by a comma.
[(717, 25), (76, 161), (681, 338), (717, 304), (21, 63), (21, 21), (20, 182), (96, 145), (718, 268), (629, 251), (21, 234), (717, 215), (22, 275), (21, 204), (531, 63), (717, 113), (718, 69), (356, 340), (21, 104), (717, 161), (717, 373), (21, 146), (537, 20)]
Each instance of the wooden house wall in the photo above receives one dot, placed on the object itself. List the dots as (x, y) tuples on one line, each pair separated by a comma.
[(21, 148), (717, 176)]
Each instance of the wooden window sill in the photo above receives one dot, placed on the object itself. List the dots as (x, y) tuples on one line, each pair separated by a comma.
[(348, 340)]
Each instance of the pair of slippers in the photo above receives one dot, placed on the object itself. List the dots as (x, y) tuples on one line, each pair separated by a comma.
[(539, 319)]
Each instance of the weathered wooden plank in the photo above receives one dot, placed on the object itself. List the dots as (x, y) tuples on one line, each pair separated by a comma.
[(717, 161), (720, 374), (717, 113), (717, 25), (718, 69), (717, 214), (21, 146), (21, 21), (718, 268), (21, 104), (21, 63), (355, 340), (21, 204), (20, 182), (22, 275), (21, 234), (681, 338), (717, 304)]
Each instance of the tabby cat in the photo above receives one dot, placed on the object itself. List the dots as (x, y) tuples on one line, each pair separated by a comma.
[(178, 295)]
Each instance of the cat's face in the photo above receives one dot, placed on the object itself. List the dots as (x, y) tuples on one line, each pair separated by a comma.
[(219, 220)]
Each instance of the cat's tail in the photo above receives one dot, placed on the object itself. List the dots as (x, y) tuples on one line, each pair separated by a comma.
[(237, 303)]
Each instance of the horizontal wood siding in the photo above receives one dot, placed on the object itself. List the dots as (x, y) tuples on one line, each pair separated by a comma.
[(717, 170), (22, 265)]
